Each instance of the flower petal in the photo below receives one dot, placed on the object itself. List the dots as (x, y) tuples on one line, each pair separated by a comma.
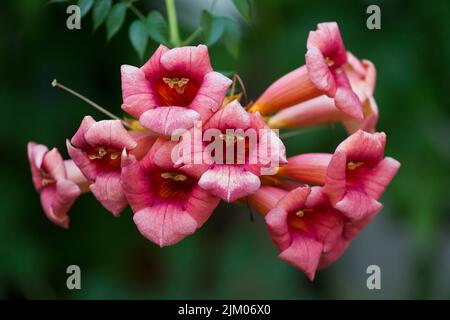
[(200, 205), (137, 94), (79, 139), (135, 183), (87, 167), (109, 133), (319, 72), (153, 68), (53, 164), (36, 154), (229, 182), (164, 224), (189, 61), (57, 199), (304, 253), (165, 120), (210, 95), (108, 191)]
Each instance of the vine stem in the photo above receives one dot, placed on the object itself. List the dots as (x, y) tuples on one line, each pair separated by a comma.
[(136, 11), (56, 84), (173, 23), (192, 37)]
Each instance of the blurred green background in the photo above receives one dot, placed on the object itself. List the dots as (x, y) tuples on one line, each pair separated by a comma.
[(230, 257)]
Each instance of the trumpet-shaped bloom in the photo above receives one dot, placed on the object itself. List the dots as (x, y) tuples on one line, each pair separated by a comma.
[(173, 89), (167, 202), (59, 182), (350, 231), (354, 177), (322, 74), (322, 110), (302, 224), (246, 148), (96, 149)]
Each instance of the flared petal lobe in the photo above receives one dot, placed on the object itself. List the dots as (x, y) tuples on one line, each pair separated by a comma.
[(322, 74), (96, 149), (58, 182), (176, 79), (167, 202), (304, 226)]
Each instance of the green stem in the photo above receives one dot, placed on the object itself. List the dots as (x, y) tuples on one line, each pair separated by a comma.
[(192, 37), (173, 23), (136, 11)]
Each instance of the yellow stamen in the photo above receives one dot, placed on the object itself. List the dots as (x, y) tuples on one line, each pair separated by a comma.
[(329, 62), (354, 165), (166, 175), (180, 177), (173, 176), (177, 83), (101, 152), (300, 213), (114, 156)]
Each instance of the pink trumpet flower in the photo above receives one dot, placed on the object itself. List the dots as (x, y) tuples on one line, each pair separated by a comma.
[(350, 231), (173, 89), (247, 148), (59, 182), (322, 110), (354, 177), (302, 224), (96, 149), (167, 202), (323, 73)]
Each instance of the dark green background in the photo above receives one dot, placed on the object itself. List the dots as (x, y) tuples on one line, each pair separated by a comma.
[(230, 257)]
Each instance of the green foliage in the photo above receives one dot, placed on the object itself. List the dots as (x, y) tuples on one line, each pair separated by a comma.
[(138, 37), (85, 6), (100, 12), (232, 36), (156, 26), (115, 19), (213, 27), (245, 8)]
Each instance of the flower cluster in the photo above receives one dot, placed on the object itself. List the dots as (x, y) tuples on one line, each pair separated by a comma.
[(313, 204)]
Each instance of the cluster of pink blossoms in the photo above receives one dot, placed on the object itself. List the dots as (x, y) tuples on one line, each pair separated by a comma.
[(311, 225)]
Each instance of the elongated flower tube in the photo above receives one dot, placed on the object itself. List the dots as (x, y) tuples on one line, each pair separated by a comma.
[(354, 177), (322, 74), (167, 202), (302, 224), (173, 89), (96, 149), (59, 182), (322, 110), (242, 148)]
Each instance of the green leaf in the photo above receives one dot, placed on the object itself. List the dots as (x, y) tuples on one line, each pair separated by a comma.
[(115, 19), (85, 6), (213, 27), (245, 8), (100, 12), (157, 28), (138, 36), (232, 36)]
